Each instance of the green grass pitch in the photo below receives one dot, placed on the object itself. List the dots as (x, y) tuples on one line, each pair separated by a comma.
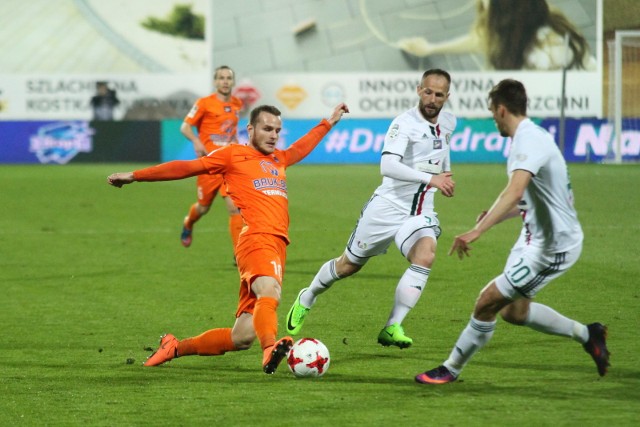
[(92, 275)]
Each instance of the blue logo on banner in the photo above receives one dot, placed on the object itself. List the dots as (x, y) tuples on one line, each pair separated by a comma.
[(60, 142)]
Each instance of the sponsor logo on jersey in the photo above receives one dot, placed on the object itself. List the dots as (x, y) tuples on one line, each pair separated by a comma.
[(268, 167), (270, 183), (271, 186), (193, 111)]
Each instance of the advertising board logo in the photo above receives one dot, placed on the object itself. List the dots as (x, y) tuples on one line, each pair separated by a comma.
[(248, 94), (61, 142), (3, 103), (291, 95), (333, 94)]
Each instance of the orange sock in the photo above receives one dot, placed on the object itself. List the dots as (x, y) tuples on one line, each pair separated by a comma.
[(214, 342), (235, 227), (192, 217), (265, 321)]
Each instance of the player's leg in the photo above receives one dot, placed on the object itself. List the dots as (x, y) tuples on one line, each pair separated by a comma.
[(527, 271), (372, 236), (543, 318), (213, 342), (329, 273), (267, 290), (474, 337), (263, 268), (216, 342), (417, 241), (207, 188), (323, 280), (526, 274)]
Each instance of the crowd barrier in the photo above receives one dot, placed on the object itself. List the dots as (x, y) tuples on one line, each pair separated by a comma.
[(352, 141)]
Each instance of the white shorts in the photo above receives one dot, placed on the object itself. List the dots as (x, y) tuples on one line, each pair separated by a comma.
[(381, 223), (529, 269)]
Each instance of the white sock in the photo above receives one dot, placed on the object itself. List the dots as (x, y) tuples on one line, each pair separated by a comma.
[(473, 338), (547, 320), (408, 291), (323, 280)]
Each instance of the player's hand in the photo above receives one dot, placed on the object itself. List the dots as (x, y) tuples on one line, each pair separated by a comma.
[(461, 243), (199, 149), (120, 179), (337, 113), (444, 183)]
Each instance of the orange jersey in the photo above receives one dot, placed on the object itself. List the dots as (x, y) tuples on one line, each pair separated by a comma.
[(216, 120), (257, 183)]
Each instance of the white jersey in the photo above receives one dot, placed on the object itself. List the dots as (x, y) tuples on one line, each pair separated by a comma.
[(549, 218), (422, 146)]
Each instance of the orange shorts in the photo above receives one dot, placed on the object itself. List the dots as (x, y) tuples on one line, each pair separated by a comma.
[(208, 188), (258, 255)]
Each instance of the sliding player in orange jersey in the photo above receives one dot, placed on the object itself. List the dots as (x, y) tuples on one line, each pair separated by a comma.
[(216, 120), (256, 181)]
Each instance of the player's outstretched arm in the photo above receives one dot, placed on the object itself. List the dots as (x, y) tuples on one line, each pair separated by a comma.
[(121, 178), (337, 113), (504, 206)]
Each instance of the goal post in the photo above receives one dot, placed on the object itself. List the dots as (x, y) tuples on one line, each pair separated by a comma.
[(624, 92)]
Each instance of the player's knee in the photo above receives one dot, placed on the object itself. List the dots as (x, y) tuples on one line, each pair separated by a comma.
[(423, 252), (514, 313), (346, 268), (267, 287), (424, 259), (489, 303), (243, 343), (202, 210), (507, 316)]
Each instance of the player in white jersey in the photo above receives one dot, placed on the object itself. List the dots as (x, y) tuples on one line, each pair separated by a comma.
[(539, 191), (414, 163)]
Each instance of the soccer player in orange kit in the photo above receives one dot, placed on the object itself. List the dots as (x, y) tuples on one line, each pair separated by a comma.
[(256, 181), (216, 120)]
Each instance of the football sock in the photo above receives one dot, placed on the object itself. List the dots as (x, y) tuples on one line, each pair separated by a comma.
[(213, 342), (545, 319), (323, 280), (192, 217), (265, 321), (235, 227), (408, 292), (473, 338)]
